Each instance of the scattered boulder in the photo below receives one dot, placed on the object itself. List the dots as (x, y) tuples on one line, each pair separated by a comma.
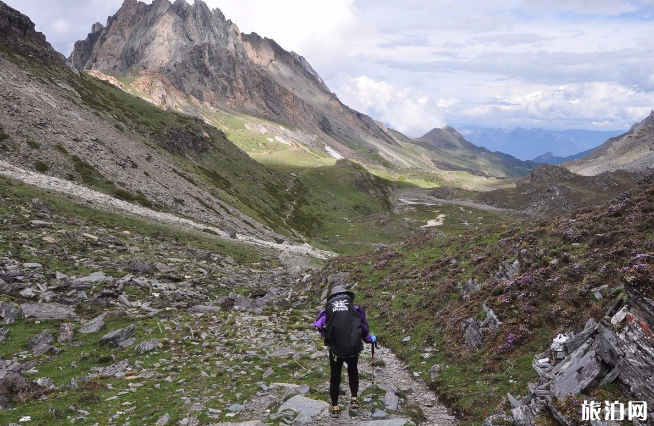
[(472, 333), (121, 338), (204, 309), (163, 420), (41, 343), (42, 206), (391, 401), (620, 348), (66, 332), (94, 325), (148, 345), (140, 267), (8, 313), (114, 370)]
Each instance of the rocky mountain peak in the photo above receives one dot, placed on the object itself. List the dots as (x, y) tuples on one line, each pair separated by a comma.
[(205, 56)]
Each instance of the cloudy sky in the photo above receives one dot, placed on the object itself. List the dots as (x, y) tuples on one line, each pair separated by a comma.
[(420, 64)]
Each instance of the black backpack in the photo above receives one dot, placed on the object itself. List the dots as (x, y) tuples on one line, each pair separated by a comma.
[(343, 330)]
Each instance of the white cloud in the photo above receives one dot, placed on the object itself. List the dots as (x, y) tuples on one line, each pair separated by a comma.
[(585, 7), (403, 109), (429, 63), (577, 105)]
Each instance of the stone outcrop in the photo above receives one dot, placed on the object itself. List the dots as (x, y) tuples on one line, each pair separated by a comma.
[(17, 32), (618, 348)]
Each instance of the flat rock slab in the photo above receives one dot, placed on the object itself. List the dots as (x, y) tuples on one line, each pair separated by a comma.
[(48, 311), (387, 422), (578, 376), (202, 309), (250, 423), (94, 278), (302, 404)]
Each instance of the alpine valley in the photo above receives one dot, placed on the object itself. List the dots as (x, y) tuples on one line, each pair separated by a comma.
[(179, 198)]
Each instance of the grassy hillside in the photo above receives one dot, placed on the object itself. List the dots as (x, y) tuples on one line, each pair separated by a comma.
[(417, 298)]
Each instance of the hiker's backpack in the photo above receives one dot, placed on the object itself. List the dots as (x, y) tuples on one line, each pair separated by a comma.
[(343, 328)]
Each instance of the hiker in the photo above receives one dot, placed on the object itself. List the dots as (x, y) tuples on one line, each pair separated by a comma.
[(344, 326)]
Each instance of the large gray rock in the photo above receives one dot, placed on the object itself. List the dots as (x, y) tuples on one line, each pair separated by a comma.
[(577, 340), (42, 343), (472, 333), (204, 309), (113, 370), (302, 404), (48, 311), (388, 422), (93, 278), (8, 313), (491, 320), (94, 325), (163, 420), (250, 423), (391, 401), (120, 338), (526, 415)]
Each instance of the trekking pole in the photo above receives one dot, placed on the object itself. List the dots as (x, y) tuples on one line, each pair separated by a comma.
[(373, 345)]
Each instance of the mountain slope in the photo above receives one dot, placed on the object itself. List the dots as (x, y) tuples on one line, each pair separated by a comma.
[(633, 151), (549, 158), (469, 312), (81, 129)]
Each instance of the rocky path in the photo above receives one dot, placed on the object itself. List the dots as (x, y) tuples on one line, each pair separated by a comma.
[(141, 330), (390, 379)]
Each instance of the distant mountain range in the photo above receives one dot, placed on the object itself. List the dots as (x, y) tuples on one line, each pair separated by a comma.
[(528, 144), (549, 158)]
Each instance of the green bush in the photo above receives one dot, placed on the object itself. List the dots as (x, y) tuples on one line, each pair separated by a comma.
[(3, 136), (32, 144), (41, 167)]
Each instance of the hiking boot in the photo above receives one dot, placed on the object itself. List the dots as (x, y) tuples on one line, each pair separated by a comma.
[(354, 402), (334, 410)]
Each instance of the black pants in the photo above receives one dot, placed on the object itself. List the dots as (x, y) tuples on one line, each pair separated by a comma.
[(336, 366)]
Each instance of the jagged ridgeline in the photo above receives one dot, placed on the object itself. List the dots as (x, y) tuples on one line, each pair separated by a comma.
[(477, 315), (189, 58)]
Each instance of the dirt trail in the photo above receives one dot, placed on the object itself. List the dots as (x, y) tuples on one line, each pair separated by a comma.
[(107, 202), (393, 373)]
